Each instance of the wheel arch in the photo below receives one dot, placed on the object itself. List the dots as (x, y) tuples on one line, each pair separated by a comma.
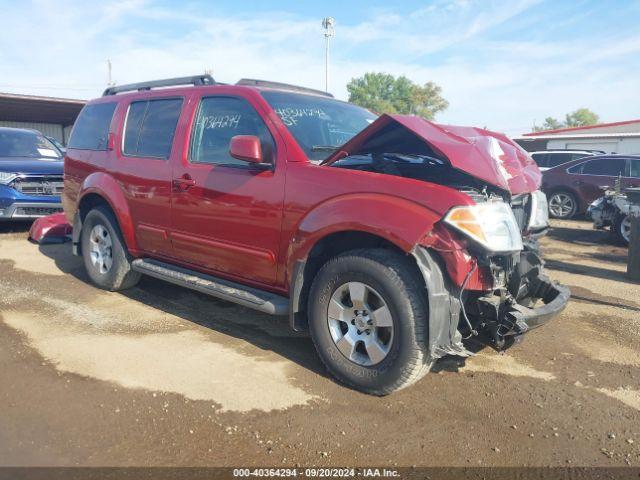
[(581, 206), (102, 189), (304, 271)]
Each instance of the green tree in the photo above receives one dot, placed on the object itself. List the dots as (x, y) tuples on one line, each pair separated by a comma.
[(384, 93), (581, 118)]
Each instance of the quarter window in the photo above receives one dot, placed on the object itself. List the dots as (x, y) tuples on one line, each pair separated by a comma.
[(634, 166), (219, 119), (150, 128), (604, 166), (91, 130)]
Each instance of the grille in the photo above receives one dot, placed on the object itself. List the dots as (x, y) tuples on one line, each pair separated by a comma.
[(35, 211), (520, 204), (39, 186)]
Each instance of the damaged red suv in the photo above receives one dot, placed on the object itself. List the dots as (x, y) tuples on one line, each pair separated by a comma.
[(391, 239)]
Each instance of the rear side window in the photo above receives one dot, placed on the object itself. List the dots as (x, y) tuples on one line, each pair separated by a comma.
[(556, 159), (576, 156), (604, 166), (634, 166), (91, 130), (150, 128), (219, 119), (540, 159)]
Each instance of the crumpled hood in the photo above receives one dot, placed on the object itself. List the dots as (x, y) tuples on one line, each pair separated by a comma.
[(30, 165), (486, 155)]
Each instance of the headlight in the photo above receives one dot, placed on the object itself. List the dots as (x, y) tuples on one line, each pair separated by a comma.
[(490, 224), (7, 177), (539, 217)]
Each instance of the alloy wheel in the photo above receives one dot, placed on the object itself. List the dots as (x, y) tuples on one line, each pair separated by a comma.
[(101, 250), (625, 228), (561, 205), (360, 323)]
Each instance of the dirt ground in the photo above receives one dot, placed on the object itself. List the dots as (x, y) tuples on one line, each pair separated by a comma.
[(160, 375)]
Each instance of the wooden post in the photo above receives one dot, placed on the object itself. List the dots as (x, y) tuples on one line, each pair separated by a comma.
[(633, 261)]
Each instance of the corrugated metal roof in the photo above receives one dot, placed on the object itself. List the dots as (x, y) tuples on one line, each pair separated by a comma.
[(32, 108)]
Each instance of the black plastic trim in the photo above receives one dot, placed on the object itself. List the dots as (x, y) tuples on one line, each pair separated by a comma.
[(261, 300), (196, 80)]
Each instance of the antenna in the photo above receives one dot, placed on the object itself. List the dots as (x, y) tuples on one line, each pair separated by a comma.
[(329, 31), (110, 82)]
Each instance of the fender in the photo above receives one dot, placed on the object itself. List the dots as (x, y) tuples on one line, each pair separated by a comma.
[(397, 220), (106, 186)]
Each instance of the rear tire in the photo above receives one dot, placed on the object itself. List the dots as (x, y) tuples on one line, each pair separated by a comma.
[(105, 255), (562, 205), (368, 320)]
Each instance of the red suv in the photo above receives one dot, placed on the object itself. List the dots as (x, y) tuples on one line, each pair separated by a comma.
[(391, 238), (572, 187)]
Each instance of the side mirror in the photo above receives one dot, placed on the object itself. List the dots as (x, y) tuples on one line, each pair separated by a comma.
[(246, 148)]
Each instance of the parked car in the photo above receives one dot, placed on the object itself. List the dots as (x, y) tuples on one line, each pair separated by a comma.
[(612, 210), (389, 238), (61, 148), (30, 175), (547, 159), (571, 187)]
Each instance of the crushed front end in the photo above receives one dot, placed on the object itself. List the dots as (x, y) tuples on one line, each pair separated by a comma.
[(493, 280), (522, 297)]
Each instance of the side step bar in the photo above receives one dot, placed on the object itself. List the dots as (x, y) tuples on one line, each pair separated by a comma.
[(266, 302)]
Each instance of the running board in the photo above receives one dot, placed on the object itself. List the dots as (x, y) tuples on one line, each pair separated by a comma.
[(216, 287)]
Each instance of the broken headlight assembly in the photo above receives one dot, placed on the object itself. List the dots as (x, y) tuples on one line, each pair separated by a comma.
[(492, 225), (539, 217)]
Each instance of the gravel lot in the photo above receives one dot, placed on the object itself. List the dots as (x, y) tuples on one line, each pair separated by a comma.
[(160, 375)]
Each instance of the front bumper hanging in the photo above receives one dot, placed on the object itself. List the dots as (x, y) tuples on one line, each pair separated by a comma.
[(499, 318)]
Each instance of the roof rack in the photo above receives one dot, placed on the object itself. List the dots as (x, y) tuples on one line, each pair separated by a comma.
[(282, 86), (205, 79)]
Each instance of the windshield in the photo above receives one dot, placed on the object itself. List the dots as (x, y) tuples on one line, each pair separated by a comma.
[(318, 124), (24, 143)]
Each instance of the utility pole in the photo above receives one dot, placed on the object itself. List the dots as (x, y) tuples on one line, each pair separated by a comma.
[(110, 82), (329, 31)]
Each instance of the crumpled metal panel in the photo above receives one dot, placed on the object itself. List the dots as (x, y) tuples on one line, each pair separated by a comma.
[(486, 155)]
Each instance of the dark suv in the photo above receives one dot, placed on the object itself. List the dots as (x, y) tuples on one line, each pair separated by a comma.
[(389, 238), (571, 187)]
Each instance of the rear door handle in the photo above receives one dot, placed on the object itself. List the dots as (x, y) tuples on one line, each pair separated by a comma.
[(183, 183)]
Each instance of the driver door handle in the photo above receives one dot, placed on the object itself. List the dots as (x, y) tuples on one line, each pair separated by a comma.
[(183, 183)]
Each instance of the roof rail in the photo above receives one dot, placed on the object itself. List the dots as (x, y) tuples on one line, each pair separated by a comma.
[(282, 86), (205, 79)]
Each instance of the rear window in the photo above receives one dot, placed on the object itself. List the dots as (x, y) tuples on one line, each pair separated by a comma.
[(150, 128), (91, 130)]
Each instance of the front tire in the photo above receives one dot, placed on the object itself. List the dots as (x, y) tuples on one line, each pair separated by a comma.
[(368, 320), (104, 252), (622, 228), (563, 205)]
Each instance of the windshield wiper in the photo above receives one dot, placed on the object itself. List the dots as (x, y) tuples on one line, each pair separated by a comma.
[(324, 148)]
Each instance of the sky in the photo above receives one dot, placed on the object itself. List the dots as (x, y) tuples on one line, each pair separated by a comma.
[(504, 65)]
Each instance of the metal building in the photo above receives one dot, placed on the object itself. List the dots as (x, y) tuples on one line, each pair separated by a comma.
[(616, 137), (52, 116)]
